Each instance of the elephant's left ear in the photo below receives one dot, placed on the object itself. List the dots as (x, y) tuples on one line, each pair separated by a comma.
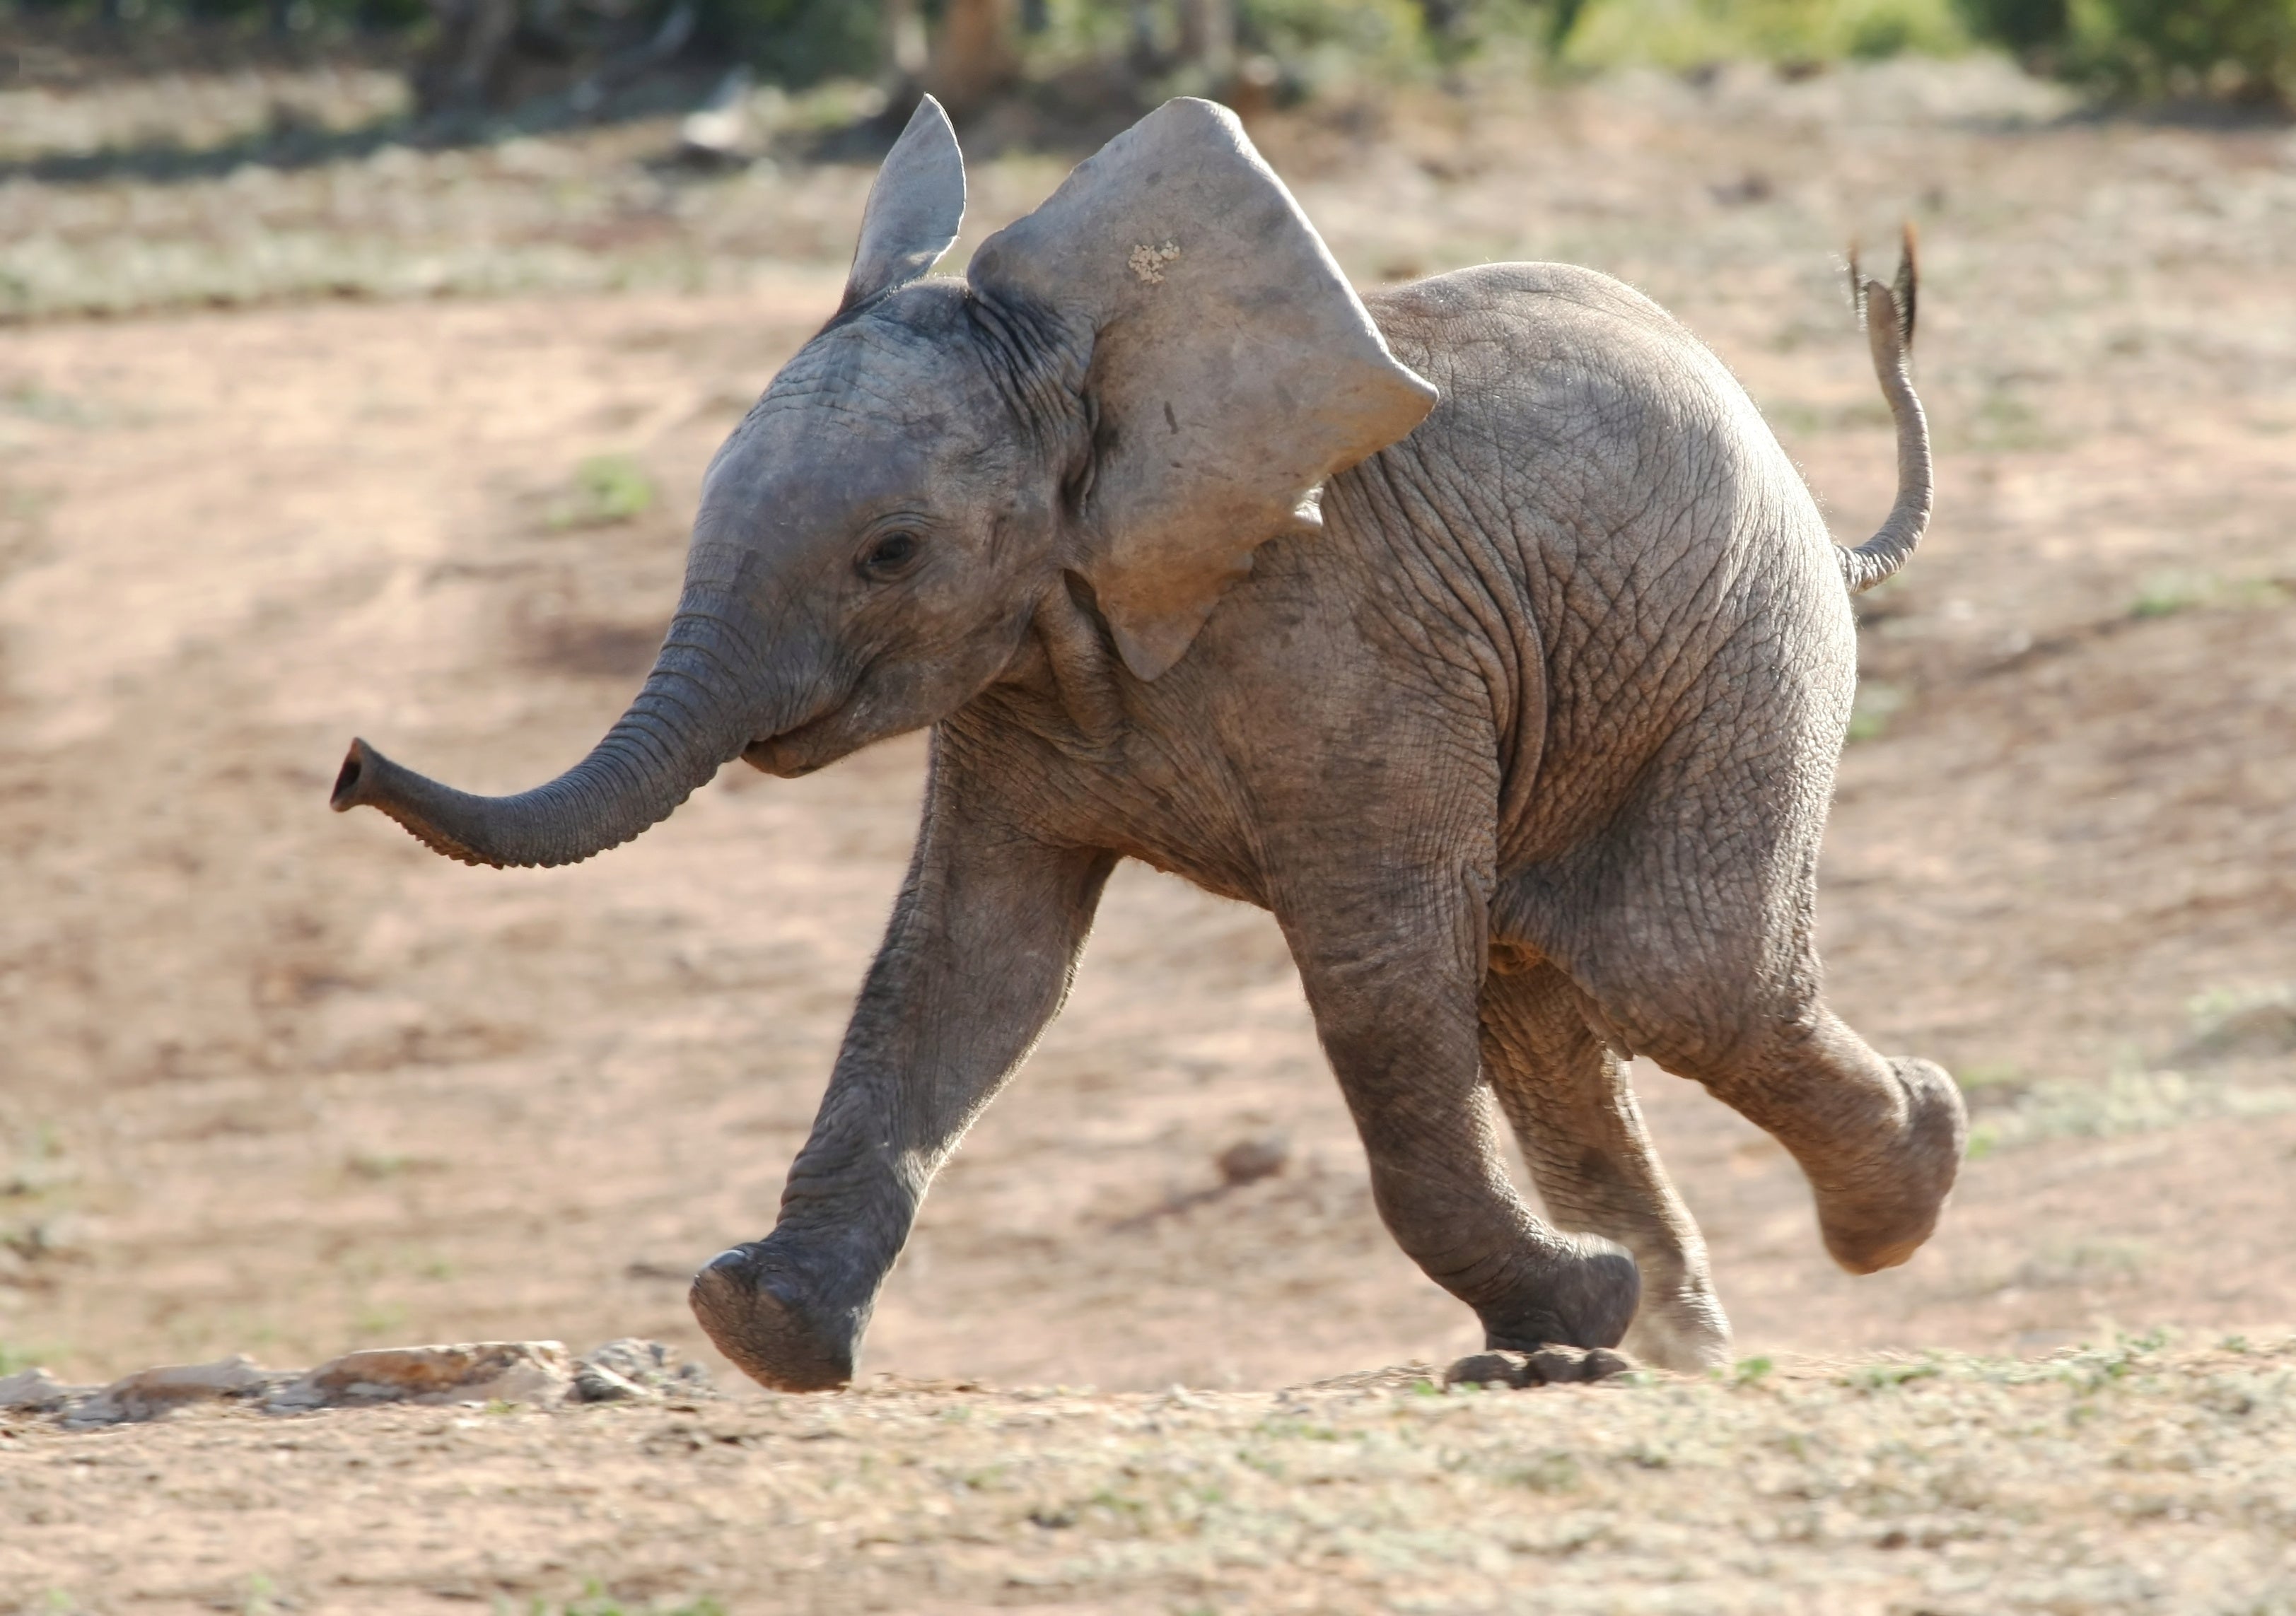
[(1231, 368), (914, 211)]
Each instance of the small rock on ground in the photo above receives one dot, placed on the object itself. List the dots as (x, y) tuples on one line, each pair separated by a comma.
[(534, 1372)]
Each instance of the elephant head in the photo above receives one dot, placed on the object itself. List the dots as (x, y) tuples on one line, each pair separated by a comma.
[(1135, 384)]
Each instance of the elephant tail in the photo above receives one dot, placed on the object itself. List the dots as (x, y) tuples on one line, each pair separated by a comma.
[(1887, 313)]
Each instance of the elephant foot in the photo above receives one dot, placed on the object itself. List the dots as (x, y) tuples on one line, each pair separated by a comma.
[(1546, 1367), (1584, 1295), (1877, 1215), (749, 1308), (1683, 1330)]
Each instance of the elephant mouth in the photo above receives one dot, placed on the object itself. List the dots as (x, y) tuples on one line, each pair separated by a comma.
[(793, 754), (814, 741), (763, 756)]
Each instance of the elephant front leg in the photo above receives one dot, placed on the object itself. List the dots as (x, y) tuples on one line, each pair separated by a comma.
[(977, 959), (1392, 977)]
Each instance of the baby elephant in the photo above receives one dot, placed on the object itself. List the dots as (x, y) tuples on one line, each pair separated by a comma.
[(1479, 629)]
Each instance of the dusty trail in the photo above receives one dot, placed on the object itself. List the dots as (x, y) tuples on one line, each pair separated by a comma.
[(2127, 1480)]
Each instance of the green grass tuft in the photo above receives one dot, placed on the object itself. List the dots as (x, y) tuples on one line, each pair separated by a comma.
[(608, 488), (594, 1600), (1876, 704), (1683, 34)]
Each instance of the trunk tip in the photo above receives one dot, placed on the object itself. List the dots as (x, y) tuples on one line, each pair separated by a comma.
[(351, 783)]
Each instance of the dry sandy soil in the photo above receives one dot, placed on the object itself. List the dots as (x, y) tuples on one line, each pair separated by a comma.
[(280, 1082), (2111, 1481)]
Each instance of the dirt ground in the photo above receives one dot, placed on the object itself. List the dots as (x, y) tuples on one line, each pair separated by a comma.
[(2111, 1481), (282, 1082)]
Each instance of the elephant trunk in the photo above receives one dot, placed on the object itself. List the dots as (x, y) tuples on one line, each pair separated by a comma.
[(690, 719)]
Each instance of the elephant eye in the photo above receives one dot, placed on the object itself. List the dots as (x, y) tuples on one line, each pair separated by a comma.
[(889, 554)]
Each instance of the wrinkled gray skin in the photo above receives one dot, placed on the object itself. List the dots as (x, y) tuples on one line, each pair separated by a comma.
[(1526, 741)]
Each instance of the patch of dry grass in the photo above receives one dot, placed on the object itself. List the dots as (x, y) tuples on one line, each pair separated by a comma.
[(2124, 1477)]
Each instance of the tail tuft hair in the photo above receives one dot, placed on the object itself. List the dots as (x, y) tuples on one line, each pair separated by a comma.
[(1904, 286)]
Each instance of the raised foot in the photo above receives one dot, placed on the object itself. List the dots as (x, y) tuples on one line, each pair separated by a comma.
[(1546, 1367), (1878, 1213), (751, 1313)]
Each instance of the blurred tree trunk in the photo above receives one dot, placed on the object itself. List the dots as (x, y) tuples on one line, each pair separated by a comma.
[(976, 54), (1208, 38), (905, 52), (1443, 18), (458, 70), (1144, 36), (483, 55)]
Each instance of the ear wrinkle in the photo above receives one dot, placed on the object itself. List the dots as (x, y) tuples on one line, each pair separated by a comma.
[(1082, 658), (1084, 464), (1037, 364), (1035, 360)]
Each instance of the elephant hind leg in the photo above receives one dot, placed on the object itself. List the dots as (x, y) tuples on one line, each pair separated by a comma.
[(1880, 1140), (1565, 1094), (1695, 948)]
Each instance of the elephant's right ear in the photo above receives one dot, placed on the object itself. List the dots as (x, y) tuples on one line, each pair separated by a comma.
[(915, 208), (1227, 366)]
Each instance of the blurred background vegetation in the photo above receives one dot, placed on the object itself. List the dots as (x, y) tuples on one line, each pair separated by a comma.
[(474, 59)]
